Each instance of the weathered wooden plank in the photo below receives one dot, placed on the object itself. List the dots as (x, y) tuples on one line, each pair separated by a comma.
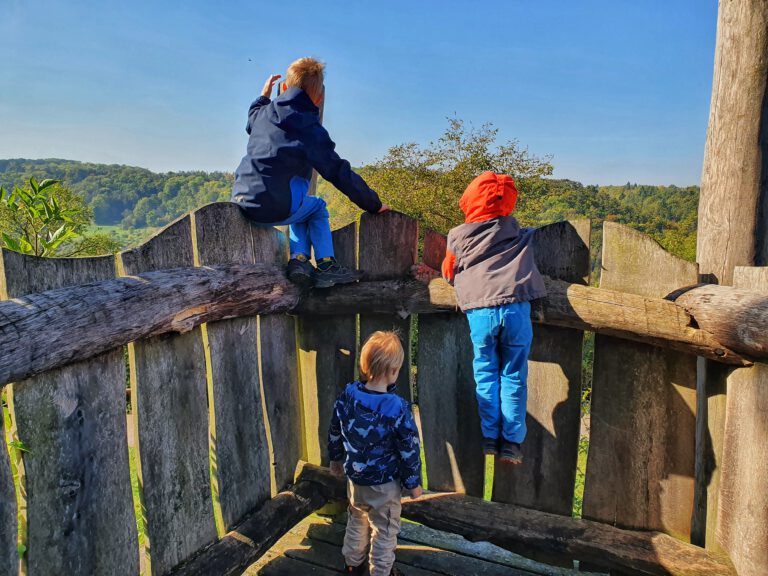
[(80, 517), (9, 560), (388, 248), (640, 467), (545, 480), (450, 422), (242, 459), (279, 363), (742, 523), (168, 382), (327, 357)]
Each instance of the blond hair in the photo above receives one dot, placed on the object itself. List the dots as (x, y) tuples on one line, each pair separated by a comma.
[(307, 74), (381, 352)]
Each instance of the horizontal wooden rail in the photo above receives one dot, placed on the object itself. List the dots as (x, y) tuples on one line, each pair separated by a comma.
[(525, 531), (42, 331)]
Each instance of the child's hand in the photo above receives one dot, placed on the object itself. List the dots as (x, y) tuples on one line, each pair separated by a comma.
[(416, 492), (385, 208), (424, 273), (337, 469), (267, 90)]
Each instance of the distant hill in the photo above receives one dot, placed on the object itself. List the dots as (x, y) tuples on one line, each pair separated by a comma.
[(134, 197)]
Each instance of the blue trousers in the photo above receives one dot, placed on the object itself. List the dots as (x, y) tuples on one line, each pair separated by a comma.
[(309, 224), (501, 338)]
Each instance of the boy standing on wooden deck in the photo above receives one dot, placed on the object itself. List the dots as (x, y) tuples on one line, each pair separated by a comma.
[(489, 260), (373, 439), (272, 181)]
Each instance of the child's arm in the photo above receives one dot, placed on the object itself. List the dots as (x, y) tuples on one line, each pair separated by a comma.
[(323, 158), (336, 451), (449, 266), (409, 453), (261, 101)]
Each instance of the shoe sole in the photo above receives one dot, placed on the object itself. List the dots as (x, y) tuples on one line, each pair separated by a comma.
[(491, 452), (303, 280), (330, 283), (509, 460)]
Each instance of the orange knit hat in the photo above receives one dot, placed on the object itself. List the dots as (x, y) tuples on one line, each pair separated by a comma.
[(488, 196)]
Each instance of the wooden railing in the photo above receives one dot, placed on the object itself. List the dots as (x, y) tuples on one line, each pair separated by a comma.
[(221, 413)]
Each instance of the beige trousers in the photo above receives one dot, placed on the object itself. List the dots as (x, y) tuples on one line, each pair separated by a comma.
[(374, 520)]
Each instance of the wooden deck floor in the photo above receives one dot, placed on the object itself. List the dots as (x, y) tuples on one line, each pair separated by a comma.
[(313, 548)]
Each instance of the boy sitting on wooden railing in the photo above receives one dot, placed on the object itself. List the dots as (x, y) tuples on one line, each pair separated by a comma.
[(373, 439), (272, 181), (489, 260)]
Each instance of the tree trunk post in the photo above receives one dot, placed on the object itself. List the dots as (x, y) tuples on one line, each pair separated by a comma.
[(733, 207)]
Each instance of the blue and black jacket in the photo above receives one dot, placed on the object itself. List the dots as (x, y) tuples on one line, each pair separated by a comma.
[(374, 434), (286, 142)]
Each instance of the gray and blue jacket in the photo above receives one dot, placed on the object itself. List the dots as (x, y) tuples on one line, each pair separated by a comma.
[(374, 434), (286, 142)]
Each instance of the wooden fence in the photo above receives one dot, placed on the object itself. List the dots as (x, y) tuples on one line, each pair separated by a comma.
[(221, 414)]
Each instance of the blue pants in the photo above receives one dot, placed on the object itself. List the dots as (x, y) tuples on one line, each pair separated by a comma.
[(501, 338), (309, 224)]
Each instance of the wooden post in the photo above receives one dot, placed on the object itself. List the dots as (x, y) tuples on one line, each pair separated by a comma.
[(388, 248), (9, 559), (80, 517), (450, 423), (640, 468), (327, 352), (240, 448), (733, 207), (742, 522), (169, 391)]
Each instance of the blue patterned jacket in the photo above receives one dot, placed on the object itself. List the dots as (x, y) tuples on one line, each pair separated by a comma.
[(375, 436)]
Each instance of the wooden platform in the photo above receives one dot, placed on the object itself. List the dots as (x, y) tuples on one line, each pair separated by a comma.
[(313, 548)]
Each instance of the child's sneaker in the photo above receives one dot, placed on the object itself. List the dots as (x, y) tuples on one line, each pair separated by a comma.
[(329, 273), (361, 570), (511, 453), (300, 272), (490, 446)]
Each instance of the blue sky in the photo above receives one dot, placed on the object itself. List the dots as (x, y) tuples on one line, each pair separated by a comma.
[(615, 90)]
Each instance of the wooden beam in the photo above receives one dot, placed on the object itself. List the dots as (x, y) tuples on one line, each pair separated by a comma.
[(525, 530), (260, 529), (42, 331)]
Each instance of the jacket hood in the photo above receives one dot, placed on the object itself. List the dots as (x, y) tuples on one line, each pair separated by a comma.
[(297, 99), (488, 196)]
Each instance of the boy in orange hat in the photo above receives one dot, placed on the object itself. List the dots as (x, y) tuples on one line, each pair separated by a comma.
[(490, 262)]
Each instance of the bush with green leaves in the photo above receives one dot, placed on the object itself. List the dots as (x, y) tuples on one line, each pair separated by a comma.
[(46, 219)]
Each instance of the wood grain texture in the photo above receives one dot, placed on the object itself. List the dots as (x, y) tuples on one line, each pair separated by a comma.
[(450, 422), (388, 248), (733, 203), (168, 382), (640, 468), (327, 352), (742, 523), (242, 459), (9, 560), (72, 421), (545, 480), (278, 358)]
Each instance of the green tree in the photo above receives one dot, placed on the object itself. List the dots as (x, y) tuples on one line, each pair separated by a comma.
[(47, 219), (427, 182)]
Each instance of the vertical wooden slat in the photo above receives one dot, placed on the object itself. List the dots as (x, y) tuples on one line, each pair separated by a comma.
[(742, 523), (450, 421), (545, 480), (168, 383), (224, 236), (80, 517), (640, 469), (388, 248), (327, 358), (279, 365), (9, 560)]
